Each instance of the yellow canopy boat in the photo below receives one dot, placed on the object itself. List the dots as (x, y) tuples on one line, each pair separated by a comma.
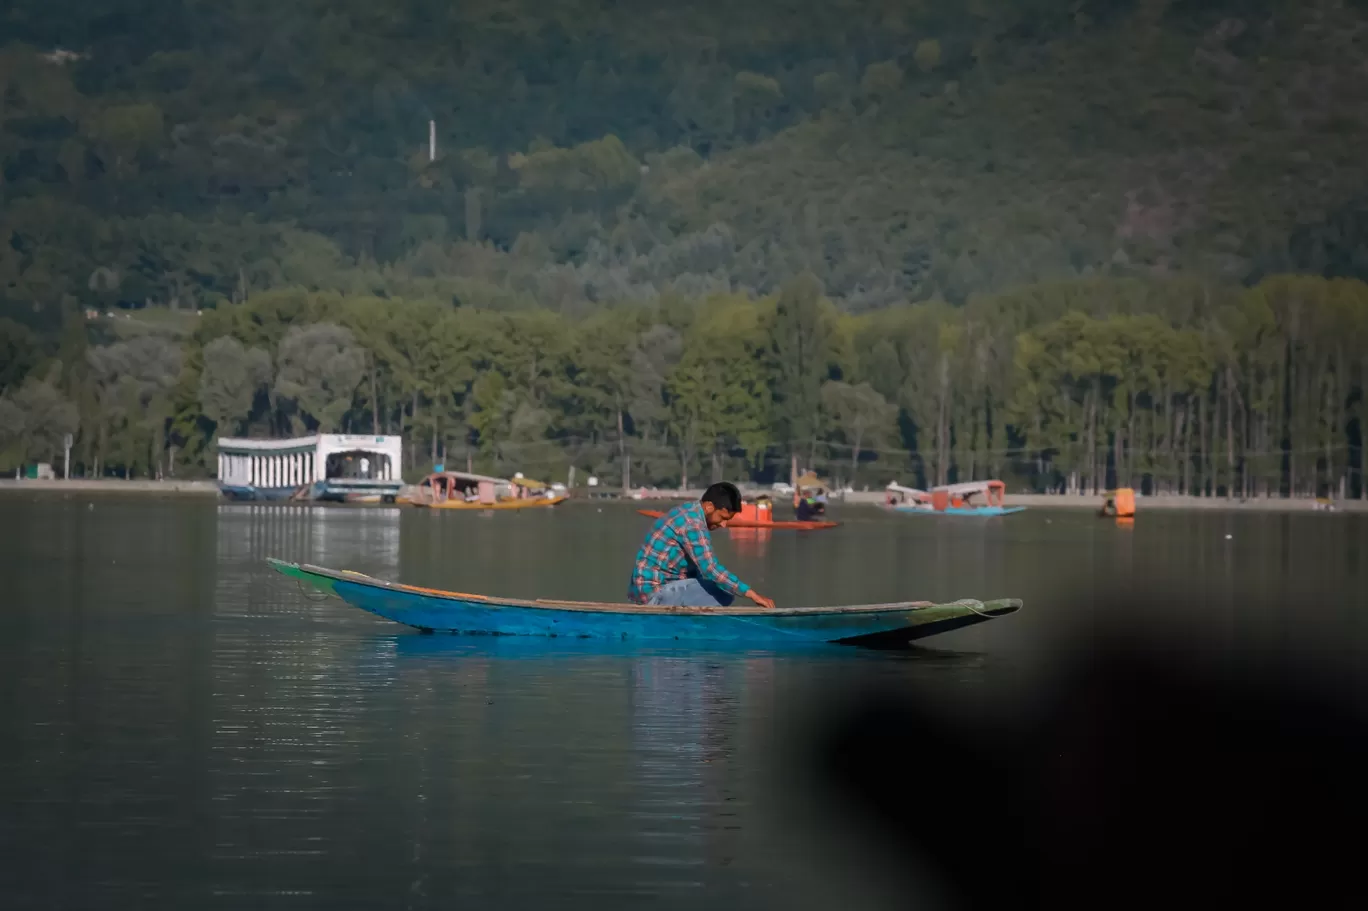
[(460, 490)]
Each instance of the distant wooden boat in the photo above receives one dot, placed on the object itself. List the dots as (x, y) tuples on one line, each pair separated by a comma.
[(433, 610), (461, 490), (896, 495), (739, 522), (952, 500), (1120, 504)]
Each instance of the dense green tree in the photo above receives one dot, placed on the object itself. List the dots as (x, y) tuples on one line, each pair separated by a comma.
[(603, 368), (12, 419), (122, 133), (881, 80), (652, 355), (34, 421), (231, 376), (319, 369), (20, 353), (132, 382), (718, 392), (927, 54), (803, 347), (862, 416)]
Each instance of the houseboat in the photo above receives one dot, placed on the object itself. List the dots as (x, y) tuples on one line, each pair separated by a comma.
[(345, 468), (462, 490)]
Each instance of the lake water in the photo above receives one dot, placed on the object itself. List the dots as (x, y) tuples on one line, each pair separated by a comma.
[(183, 729)]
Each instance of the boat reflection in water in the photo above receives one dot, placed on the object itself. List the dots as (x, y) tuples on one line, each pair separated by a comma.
[(531, 723), (366, 540), (667, 740), (686, 718), (751, 542)]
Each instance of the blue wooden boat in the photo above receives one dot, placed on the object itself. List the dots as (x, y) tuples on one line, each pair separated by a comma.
[(433, 610)]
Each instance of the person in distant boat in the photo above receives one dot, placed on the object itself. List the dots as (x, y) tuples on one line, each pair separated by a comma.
[(809, 507), (676, 566)]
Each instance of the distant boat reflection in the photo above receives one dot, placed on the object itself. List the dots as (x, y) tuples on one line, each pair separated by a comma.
[(750, 542), (366, 540)]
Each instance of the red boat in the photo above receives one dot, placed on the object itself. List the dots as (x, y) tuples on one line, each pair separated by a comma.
[(757, 515)]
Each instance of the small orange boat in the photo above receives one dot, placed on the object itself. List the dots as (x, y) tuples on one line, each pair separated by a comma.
[(757, 515), (1120, 503)]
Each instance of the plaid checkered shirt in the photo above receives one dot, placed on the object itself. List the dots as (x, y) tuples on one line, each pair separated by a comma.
[(679, 547)]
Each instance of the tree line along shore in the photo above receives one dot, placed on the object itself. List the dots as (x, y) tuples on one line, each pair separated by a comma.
[(1169, 387)]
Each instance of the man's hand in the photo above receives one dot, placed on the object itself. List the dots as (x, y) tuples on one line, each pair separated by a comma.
[(760, 599)]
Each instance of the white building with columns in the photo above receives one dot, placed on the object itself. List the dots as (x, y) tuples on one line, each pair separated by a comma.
[(333, 466)]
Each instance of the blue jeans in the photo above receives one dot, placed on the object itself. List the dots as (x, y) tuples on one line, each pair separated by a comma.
[(690, 593)]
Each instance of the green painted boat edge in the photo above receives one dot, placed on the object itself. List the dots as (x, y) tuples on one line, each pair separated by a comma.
[(294, 571)]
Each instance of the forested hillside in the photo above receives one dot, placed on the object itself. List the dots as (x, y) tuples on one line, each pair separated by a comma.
[(1065, 241)]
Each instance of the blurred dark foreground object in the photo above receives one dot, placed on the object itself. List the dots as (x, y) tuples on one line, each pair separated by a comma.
[(1141, 779)]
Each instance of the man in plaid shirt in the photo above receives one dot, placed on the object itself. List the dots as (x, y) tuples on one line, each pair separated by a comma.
[(676, 566)]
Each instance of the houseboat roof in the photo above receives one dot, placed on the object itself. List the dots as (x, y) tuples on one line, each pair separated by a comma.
[(336, 442), (970, 487), (467, 476)]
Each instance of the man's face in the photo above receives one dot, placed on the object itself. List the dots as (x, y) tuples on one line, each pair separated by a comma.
[(716, 516)]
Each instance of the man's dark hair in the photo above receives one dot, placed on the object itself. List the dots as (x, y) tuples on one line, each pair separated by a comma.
[(723, 495)]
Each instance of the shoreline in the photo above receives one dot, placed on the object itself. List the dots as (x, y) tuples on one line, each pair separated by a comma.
[(205, 488), (1093, 502), (1174, 502), (109, 486)]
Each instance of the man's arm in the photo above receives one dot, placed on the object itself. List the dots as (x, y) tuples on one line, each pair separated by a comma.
[(698, 548)]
